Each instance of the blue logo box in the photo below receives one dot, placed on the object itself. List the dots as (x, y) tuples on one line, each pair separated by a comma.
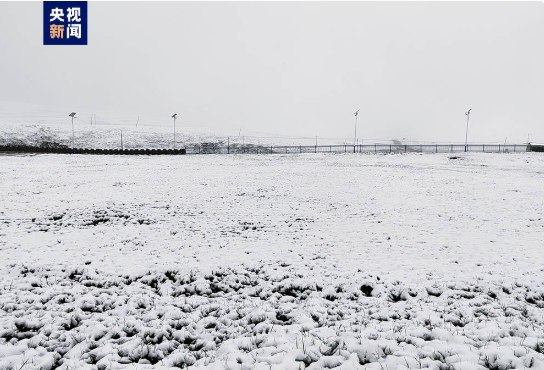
[(65, 23)]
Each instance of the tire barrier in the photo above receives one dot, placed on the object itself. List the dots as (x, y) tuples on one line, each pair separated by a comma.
[(535, 148), (34, 149)]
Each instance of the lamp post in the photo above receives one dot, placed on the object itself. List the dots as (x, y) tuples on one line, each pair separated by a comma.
[(73, 115), (467, 113), (356, 114), (174, 116)]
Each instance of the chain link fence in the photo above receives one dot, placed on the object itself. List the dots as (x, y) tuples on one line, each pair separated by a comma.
[(212, 148)]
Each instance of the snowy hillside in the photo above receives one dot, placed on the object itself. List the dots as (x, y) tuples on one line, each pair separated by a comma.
[(32, 124), (272, 262)]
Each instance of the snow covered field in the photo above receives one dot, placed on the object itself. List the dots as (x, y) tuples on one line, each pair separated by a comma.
[(272, 262)]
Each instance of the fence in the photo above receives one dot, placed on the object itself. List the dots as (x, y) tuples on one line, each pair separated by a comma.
[(212, 148)]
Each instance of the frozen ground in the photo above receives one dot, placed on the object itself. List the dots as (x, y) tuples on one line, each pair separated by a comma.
[(272, 262)]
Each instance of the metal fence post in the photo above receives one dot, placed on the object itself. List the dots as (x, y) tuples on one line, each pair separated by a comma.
[(515, 148), (499, 148), (375, 148), (405, 148), (389, 148), (451, 149), (436, 149), (330, 148)]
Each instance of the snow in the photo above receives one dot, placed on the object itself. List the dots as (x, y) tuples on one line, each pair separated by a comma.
[(272, 261), (32, 124)]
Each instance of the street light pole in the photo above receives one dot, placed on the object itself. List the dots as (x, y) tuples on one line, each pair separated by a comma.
[(355, 138), (174, 116), (466, 134), (73, 115)]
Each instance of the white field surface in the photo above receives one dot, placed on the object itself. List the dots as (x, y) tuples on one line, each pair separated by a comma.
[(272, 262)]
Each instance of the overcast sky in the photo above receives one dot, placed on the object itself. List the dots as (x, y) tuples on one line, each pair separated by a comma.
[(288, 68)]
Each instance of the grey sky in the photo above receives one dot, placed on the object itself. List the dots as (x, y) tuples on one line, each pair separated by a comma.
[(294, 68)]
